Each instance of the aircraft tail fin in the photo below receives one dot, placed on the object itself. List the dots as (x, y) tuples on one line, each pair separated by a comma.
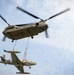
[(23, 72), (3, 57)]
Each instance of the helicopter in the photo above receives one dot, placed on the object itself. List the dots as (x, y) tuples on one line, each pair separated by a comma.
[(16, 32)]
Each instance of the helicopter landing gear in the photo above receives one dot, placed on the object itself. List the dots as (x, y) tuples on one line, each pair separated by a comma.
[(29, 67), (32, 37)]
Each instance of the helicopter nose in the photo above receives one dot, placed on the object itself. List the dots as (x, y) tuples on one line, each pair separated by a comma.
[(3, 32)]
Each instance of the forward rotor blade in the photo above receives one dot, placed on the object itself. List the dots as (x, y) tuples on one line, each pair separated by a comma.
[(4, 20), (46, 34), (28, 13), (58, 14), (4, 38)]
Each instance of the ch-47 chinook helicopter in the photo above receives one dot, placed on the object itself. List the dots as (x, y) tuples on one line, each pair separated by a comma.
[(20, 31)]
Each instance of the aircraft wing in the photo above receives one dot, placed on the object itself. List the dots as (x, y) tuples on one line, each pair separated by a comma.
[(15, 59), (18, 64), (20, 68)]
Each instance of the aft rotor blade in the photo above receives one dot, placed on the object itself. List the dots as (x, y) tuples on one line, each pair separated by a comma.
[(4, 38), (4, 20), (28, 13), (46, 34), (58, 14)]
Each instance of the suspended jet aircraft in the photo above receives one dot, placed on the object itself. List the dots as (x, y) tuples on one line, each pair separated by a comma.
[(16, 62), (20, 31)]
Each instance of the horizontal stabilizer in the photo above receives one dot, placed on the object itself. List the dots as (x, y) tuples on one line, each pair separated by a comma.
[(2, 59), (23, 72), (12, 51)]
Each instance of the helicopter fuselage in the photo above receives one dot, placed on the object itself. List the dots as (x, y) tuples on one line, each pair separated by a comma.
[(16, 32)]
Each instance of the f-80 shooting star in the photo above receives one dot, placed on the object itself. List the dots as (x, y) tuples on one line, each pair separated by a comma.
[(20, 31), (16, 62)]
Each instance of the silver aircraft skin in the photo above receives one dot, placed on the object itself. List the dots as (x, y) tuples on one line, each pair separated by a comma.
[(16, 32), (16, 62)]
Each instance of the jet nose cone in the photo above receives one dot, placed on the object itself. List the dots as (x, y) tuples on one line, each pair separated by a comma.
[(35, 63)]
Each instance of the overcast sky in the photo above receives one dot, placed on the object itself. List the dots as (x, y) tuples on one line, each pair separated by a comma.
[(55, 55)]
